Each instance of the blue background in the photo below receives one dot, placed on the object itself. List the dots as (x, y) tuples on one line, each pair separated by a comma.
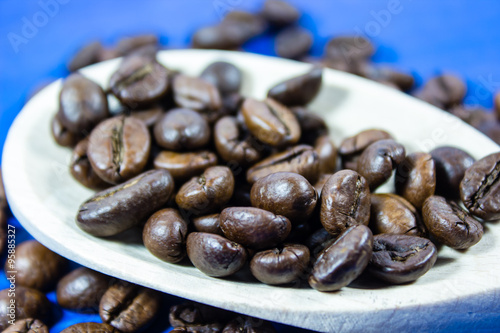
[(424, 37)]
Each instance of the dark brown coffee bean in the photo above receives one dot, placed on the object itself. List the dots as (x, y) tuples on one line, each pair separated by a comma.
[(401, 258), (253, 227), (399, 80), (351, 148), (350, 64), (312, 125), (196, 317), (349, 48), (90, 328), (82, 104), (492, 130), (480, 188), (271, 122), (164, 235), (82, 170), (81, 290), (293, 43), (451, 164), (231, 104), (29, 303), (450, 224), (127, 45), (327, 153), (318, 186), (301, 159), (215, 255), (87, 55), (119, 149), (299, 90), (248, 325), (208, 223), (183, 166), (37, 267), (61, 135), (128, 307), (124, 206), (318, 241), (280, 265), (474, 116), (182, 129), (28, 325), (344, 260), (378, 160), (285, 193), (345, 202), (149, 116), (252, 24), (223, 75), (416, 178), (443, 91), (226, 36), (279, 13)]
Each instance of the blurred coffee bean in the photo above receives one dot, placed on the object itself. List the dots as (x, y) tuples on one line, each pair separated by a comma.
[(183, 166), (318, 186), (208, 223), (90, 328), (356, 66), (248, 325), (82, 170), (149, 116), (28, 325), (231, 104), (318, 241), (491, 129), (299, 90), (312, 125), (196, 317), (279, 13), (87, 55), (443, 91), (252, 24), (29, 303), (402, 81), (349, 49), (474, 116), (293, 42), (224, 76), (227, 36), (496, 105), (126, 45), (327, 154)]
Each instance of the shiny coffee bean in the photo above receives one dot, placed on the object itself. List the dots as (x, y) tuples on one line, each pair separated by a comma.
[(450, 224), (198, 95), (182, 129), (119, 149), (28, 325), (61, 135), (327, 153), (253, 227), (248, 325), (345, 202), (29, 303), (208, 192), (299, 90), (224, 76), (208, 223), (401, 258), (392, 214), (285, 193), (279, 13), (129, 307), (378, 160), (443, 91), (416, 178), (480, 188), (81, 290), (350, 48), (196, 317), (82, 170), (318, 186), (87, 55), (344, 260), (293, 43), (164, 235), (90, 328), (280, 265), (400, 80), (127, 45), (351, 148), (124, 206), (451, 164), (37, 267), (215, 255), (270, 122), (312, 125), (149, 116), (183, 166), (82, 104), (301, 159)]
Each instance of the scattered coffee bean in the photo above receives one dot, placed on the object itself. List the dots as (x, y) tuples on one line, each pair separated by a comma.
[(293, 42), (279, 13), (183, 166), (128, 45), (208, 223), (400, 80), (197, 94), (351, 148), (82, 170), (252, 24), (228, 36), (443, 91), (29, 303), (327, 154), (90, 328), (223, 75), (88, 55), (299, 90)]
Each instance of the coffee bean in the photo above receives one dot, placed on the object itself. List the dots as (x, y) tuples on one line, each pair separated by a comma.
[(253, 24), (450, 224), (196, 317), (378, 160), (90, 328), (183, 166), (28, 325), (149, 116), (271, 122), (119, 149), (279, 13), (208, 223), (345, 202), (293, 42), (231, 104), (248, 325), (348, 63), (474, 116), (312, 125), (223, 75), (344, 260), (124, 206), (443, 91), (82, 170), (299, 90), (128, 307), (492, 130), (318, 186), (227, 36), (164, 235), (349, 48), (480, 188), (318, 241), (128, 45), (400, 80), (416, 178), (401, 258), (351, 148), (253, 227), (29, 303), (215, 255), (285, 193), (327, 153), (280, 265), (87, 55)]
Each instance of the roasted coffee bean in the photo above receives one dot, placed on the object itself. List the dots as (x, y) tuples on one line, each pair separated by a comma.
[(327, 153), (215, 255), (443, 91), (279, 13), (231, 143), (248, 325), (318, 241), (128, 307), (82, 170), (128, 45), (480, 188), (149, 116), (392, 214), (345, 202), (224, 76), (299, 90), (401, 258), (231, 104), (164, 235), (182, 129), (227, 36), (197, 94), (451, 164), (450, 224), (349, 48), (416, 178), (312, 126), (400, 80), (29, 303), (318, 186), (378, 160), (474, 116), (37, 267), (492, 130), (28, 325), (90, 328), (351, 148), (87, 55), (349, 63), (196, 317), (82, 104), (119, 149), (124, 206), (344, 260), (280, 265), (270, 122), (253, 24), (285, 193), (293, 43), (81, 290), (139, 81), (253, 227), (301, 159), (208, 223), (208, 192), (183, 166)]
